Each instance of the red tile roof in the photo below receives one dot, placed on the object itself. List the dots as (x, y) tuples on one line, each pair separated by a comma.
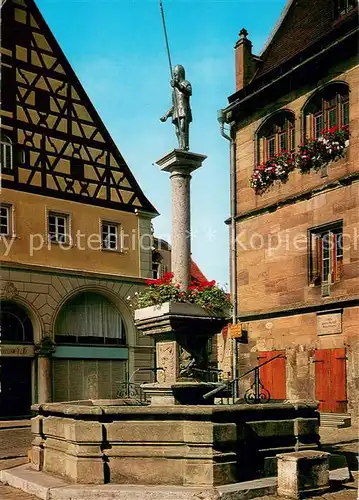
[(196, 273), (303, 22)]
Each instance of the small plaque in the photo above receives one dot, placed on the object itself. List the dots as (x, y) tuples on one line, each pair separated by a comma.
[(328, 324)]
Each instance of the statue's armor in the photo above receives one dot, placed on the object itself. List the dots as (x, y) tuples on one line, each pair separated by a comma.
[(180, 102)]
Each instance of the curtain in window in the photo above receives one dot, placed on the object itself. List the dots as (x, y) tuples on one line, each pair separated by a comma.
[(90, 314)]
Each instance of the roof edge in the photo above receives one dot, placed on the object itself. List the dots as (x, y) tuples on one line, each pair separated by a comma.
[(277, 26)]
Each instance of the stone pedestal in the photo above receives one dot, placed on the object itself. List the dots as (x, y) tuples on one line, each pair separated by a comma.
[(303, 473), (181, 164)]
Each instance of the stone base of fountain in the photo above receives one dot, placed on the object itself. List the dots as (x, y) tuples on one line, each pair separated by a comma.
[(96, 442)]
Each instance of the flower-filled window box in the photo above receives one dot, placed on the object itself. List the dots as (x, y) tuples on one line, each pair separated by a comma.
[(274, 169), (313, 154), (329, 146)]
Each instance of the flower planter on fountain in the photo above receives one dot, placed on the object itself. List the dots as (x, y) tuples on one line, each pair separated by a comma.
[(181, 331)]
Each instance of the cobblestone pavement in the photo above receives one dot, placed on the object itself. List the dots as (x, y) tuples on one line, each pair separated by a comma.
[(16, 443)]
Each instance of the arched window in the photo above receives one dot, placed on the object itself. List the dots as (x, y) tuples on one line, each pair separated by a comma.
[(6, 153), (15, 324), (276, 134), (90, 318), (327, 108)]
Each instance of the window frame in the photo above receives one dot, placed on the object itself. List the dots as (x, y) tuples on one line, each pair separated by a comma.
[(118, 233), (319, 105), (279, 124), (67, 227), (10, 220), (317, 259), (6, 143)]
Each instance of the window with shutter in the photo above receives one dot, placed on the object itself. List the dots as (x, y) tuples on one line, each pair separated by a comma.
[(326, 256)]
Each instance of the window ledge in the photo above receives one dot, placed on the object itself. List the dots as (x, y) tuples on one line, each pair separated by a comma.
[(112, 250)]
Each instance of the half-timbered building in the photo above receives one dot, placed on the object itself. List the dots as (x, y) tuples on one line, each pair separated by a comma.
[(75, 231), (294, 131)]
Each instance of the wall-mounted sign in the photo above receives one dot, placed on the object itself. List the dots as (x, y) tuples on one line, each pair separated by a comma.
[(236, 331), (16, 351), (329, 323)]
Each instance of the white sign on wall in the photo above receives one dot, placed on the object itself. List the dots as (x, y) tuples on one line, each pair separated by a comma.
[(329, 323)]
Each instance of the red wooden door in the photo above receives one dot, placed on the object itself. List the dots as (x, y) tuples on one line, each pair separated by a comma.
[(272, 374), (330, 380)]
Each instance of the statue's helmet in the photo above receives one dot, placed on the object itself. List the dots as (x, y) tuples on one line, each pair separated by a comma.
[(179, 69)]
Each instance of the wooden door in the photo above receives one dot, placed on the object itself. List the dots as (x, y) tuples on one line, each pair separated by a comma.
[(330, 380), (272, 374)]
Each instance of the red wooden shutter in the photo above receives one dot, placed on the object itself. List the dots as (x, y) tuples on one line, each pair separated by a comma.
[(338, 381), (330, 380), (272, 375), (315, 251), (322, 387)]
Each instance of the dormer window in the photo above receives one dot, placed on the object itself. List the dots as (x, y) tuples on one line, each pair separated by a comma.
[(276, 135)]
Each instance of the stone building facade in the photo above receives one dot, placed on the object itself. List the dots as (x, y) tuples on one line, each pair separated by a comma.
[(75, 231), (296, 242)]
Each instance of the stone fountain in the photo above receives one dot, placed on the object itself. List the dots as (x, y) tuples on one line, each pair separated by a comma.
[(181, 446)]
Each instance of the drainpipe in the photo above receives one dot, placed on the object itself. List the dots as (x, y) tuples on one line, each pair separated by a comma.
[(233, 235)]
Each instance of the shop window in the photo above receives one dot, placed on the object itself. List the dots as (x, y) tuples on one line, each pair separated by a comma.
[(58, 228), (110, 236), (276, 135), (326, 256), (92, 319), (327, 109)]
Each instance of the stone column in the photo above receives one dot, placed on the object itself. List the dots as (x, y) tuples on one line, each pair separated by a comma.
[(44, 351), (44, 379), (181, 164)]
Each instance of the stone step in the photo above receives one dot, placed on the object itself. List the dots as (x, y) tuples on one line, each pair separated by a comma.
[(46, 486), (335, 420)]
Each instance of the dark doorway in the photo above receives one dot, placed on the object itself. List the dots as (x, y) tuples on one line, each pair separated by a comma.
[(15, 372), (15, 387)]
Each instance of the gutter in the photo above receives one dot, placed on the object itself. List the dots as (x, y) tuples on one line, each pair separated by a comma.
[(233, 239), (227, 111)]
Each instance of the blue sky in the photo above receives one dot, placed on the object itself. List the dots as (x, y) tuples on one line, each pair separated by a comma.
[(117, 49)]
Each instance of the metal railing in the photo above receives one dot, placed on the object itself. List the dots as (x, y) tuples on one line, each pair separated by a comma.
[(257, 393)]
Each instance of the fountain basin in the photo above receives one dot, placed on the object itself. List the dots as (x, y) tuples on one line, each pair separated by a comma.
[(94, 442)]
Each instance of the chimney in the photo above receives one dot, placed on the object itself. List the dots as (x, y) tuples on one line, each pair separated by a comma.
[(244, 60)]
